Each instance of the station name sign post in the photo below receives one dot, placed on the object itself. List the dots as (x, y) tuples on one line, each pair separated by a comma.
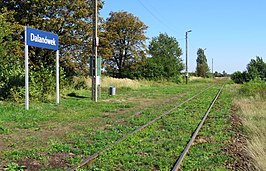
[(41, 39)]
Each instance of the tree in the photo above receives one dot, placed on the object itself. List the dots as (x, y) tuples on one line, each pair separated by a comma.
[(70, 19), (165, 58), (11, 68), (217, 74), (225, 74), (257, 68), (240, 77), (202, 67), (125, 41)]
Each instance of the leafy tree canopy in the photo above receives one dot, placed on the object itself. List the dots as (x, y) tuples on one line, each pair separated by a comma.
[(257, 68), (165, 58), (124, 39), (70, 19)]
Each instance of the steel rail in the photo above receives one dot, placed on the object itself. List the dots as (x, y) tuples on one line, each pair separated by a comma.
[(95, 155), (180, 159)]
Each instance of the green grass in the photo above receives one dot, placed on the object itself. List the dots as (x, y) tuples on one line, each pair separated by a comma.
[(207, 152), (49, 134), (159, 146)]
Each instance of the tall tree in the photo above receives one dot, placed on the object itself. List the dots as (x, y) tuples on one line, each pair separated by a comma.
[(125, 41), (202, 67), (257, 68), (166, 57), (70, 19)]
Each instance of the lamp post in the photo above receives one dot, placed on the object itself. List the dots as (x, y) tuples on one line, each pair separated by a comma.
[(212, 59), (94, 52), (187, 56), (212, 66)]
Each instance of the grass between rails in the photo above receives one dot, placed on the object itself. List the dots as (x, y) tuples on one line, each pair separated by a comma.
[(208, 150), (158, 146), (56, 137)]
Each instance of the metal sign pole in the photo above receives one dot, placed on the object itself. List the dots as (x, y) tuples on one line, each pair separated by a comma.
[(94, 52), (26, 73), (57, 77), (42, 39), (187, 56)]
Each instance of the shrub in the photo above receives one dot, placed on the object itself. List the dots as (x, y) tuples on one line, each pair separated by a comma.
[(11, 70), (81, 83), (255, 87), (240, 78), (11, 80)]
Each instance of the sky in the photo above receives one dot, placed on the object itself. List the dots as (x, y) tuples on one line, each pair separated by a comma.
[(232, 31)]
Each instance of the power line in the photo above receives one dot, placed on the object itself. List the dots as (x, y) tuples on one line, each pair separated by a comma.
[(155, 17)]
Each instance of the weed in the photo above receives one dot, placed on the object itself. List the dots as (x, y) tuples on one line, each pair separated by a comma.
[(3, 130), (14, 167)]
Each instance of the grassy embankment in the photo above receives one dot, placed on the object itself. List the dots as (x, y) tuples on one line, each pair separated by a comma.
[(251, 101), (50, 137)]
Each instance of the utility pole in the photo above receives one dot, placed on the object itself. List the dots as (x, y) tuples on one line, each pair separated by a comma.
[(94, 51), (212, 66), (187, 56)]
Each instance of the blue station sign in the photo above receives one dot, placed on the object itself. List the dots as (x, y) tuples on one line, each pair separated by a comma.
[(41, 39)]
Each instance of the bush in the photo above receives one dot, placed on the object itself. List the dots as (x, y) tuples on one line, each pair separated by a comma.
[(11, 68), (240, 78), (81, 83), (42, 84), (11, 80), (255, 87), (177, 79)]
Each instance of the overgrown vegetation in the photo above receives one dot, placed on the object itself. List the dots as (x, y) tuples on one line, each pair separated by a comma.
[(57, 137), (208, 151), (11, 68), (158, 146), (254, 88), (251, 101)]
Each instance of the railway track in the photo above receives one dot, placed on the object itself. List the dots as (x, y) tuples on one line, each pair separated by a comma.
[(182, 156), (179, 161)]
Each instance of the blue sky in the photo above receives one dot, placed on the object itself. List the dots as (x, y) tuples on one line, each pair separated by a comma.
[(232, 31)]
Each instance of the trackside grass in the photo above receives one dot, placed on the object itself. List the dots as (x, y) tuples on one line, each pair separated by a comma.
[(254, 120), (251, 102)]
